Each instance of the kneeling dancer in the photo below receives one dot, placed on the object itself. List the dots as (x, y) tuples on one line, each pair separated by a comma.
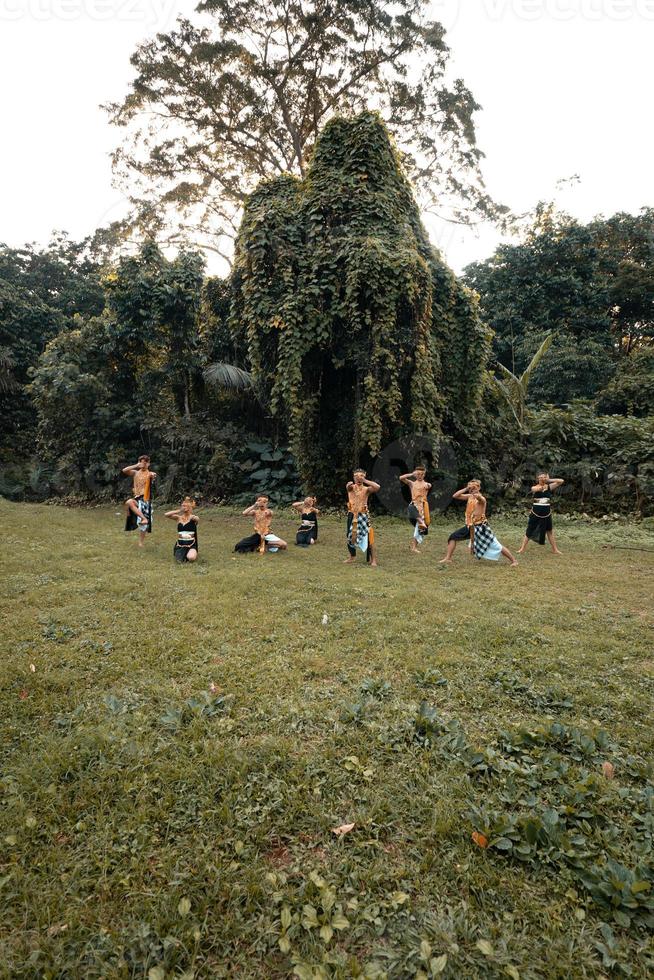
[(262, 539), (307, 533), (418, 509), (360, 533), (186, 546)]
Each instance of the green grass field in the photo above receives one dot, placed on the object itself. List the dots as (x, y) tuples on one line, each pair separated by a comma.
[(179, 743)]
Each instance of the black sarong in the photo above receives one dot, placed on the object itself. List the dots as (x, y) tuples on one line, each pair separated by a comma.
[(308, 531), (246, 545), (132, 522), (461, 534), (537, 527)]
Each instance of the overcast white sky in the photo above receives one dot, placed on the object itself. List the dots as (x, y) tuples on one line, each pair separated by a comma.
[(565, 86)]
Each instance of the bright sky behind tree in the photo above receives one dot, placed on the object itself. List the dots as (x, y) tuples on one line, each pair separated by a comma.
[(565, 87)]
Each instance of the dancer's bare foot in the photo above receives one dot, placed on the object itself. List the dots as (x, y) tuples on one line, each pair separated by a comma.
[(373, 563), (520, 551), (349, 561), (514, 564), (445, 561), (555, 551)]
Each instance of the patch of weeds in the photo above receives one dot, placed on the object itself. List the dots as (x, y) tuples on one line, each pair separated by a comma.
[(57, 632), (430, 678), (379, 690), (515, 687), (205, 705)]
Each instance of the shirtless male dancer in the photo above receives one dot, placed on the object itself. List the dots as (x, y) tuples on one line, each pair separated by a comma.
[(483, 542), (418, 509), (360, 533), (139, 505)]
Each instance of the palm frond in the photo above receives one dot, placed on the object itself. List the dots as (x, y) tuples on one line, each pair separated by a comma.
[(224, 375), (525, 377)]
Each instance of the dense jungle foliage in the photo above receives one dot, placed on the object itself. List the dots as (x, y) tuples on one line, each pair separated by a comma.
[(339, 332)]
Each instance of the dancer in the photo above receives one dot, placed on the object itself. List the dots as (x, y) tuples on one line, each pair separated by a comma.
[(186, 546), (307, 533), (139, 506), (418, 509), (360, 533), (262, 539), (483, 542), (462, 533), (539, 525)]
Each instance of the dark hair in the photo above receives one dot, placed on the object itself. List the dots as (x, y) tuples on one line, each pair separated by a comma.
[(144, 457)]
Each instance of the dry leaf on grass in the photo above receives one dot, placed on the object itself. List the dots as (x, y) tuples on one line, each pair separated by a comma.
[(345, 828), (608, 770), (480, 839)]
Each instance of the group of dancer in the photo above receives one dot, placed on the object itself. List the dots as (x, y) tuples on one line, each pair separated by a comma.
[(360, 534)]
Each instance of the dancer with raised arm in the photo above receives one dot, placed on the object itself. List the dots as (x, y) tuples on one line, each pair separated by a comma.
[(186, 546), (539, 525), (360, 532), (263, 539), (139, 505), (477, 529), (307, 533), (418, 509)]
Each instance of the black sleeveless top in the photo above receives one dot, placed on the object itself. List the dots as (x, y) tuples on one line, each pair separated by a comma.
[(187, 535), (542, 510), (311, 518)]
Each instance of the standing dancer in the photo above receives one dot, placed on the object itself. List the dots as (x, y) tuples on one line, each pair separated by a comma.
[(360, 533), (539, 525), (483, 541), (462, 533), (307, 533), (186, 546), (418, 509), (139, 506), (262, 539)]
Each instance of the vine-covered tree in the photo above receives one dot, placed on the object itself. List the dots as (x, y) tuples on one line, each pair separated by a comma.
[(241, 92), (356, 331)]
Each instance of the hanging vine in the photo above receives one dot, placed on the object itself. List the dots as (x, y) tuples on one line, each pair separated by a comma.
[(353, 325)]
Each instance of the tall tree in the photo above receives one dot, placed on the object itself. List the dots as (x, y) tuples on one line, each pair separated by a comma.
[(355, 329), (42, 291), (154, 304), (241, 94), (591, 286)]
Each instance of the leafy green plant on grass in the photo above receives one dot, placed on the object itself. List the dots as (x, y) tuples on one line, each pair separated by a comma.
[(320, 910), (203, 706), (513, 685), (571, 819)]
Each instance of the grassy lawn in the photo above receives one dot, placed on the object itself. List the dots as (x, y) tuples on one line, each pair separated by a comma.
[(180, 742)]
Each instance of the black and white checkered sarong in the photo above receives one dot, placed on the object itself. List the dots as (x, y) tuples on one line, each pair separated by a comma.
[(482, 541)]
